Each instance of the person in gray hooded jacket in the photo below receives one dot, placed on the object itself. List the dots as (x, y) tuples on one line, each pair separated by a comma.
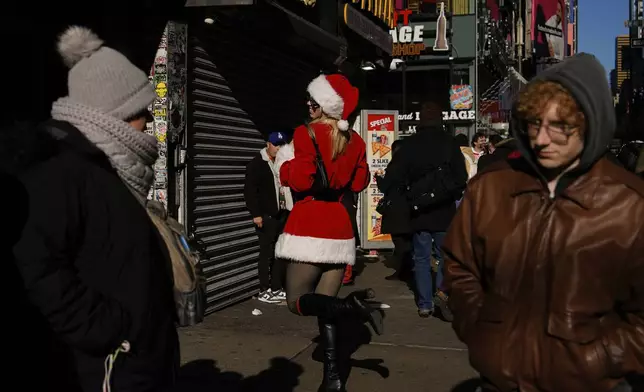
[(548, 290)]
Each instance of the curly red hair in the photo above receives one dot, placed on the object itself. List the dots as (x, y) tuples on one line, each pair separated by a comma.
[(535, 98)]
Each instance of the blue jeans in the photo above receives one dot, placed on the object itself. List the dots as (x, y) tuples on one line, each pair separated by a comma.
[(424, 242)]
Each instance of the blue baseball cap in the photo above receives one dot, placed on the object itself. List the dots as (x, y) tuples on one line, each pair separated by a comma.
[(277, 138)]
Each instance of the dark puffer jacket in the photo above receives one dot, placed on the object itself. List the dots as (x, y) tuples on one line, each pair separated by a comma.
[(89, 270)]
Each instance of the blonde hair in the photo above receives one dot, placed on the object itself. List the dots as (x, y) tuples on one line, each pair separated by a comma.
[(339, 139)]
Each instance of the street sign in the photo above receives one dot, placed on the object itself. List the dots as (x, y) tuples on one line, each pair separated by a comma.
[(637, 42)]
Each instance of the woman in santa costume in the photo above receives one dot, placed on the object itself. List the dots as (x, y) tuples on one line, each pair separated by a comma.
[(318, 238)]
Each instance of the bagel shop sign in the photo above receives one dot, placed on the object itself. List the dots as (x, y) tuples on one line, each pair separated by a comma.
[(459, 115), (407, 39)]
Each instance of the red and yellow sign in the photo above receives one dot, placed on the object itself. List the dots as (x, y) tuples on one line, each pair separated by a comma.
[(407, 39), (380, 137)]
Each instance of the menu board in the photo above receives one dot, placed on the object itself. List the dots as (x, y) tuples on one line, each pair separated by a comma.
[(379, 130)]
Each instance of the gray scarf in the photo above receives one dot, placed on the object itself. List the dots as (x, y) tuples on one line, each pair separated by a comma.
[(132, 153)]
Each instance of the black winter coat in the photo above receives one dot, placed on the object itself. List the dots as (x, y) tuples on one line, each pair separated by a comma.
[(428, 148), (259, 188), (397, 220), (96, 270)]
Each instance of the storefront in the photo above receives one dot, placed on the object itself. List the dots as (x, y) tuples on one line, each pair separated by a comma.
[(433, 56), (235, 74)]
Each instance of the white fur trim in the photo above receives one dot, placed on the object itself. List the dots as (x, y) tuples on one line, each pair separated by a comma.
[(289, 198), (343, 125), (331, 103), (316, 250), (285, 154)]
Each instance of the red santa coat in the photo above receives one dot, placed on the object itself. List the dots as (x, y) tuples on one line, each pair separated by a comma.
[(320, 231)]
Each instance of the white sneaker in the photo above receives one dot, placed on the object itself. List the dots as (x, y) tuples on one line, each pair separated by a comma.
[(268, 297), (280, 294)]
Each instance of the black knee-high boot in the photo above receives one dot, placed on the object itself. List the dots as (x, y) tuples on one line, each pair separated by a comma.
[(331, 381), (332, 308)]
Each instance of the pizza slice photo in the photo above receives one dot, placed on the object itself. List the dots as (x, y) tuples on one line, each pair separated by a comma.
[(375, 147), (384, 150)]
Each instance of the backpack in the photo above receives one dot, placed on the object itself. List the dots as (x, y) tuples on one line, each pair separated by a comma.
[(189, 281), (436, 187)]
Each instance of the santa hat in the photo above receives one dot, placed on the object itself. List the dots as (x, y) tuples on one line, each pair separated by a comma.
[(336, 96)]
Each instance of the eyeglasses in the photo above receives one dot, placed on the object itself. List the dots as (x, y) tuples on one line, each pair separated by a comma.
[(559, 132), (312, 104)]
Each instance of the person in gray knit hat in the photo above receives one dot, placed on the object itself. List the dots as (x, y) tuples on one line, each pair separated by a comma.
[(108, 96), (91, 260)]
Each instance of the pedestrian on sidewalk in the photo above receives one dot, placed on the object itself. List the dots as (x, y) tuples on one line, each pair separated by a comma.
[(431, 169), (548, 290), (396, 220), (499, 149), (325, 160), (269, 204), (92, 262), (474, 152)]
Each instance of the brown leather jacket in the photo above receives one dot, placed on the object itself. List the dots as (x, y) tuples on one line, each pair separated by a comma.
[(548, 294)]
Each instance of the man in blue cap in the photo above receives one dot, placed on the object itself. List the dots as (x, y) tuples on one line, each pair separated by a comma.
[(269, 204)]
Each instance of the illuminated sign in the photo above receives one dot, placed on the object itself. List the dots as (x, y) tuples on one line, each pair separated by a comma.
[(407, 39), (461, 97), (413, 116), (381, 9), (367, 29), (441, 44), (459, 115)]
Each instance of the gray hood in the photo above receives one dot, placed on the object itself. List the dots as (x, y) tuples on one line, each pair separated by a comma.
[(585, 78)]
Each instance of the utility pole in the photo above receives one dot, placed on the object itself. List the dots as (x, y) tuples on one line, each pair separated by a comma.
[(576, 33), (476, 65), (520, 33)]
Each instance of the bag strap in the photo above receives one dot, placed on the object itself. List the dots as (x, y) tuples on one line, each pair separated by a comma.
[(318, 154)]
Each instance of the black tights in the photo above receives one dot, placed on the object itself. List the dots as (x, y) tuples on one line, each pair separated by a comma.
[(304, 278)]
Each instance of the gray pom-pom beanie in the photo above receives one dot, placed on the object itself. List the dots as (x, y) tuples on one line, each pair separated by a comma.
[(101, 77)]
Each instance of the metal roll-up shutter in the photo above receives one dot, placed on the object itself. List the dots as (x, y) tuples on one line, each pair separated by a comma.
[(243, 81), (222, 140)]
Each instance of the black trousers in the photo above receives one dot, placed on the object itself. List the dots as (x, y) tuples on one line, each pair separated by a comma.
[(272, 271)]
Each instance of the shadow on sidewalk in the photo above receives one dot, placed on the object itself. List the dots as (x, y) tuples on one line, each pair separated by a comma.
[(467, 385), (351, 336), (203, 375)]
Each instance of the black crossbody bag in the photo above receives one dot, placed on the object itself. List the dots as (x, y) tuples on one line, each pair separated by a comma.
[(321, 180)]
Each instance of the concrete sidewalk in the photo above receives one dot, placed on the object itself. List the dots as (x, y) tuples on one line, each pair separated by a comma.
[(232, 350)]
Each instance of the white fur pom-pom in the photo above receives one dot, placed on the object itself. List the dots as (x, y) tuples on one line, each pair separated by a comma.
[(343, 125), (285, 153), (76, 43)]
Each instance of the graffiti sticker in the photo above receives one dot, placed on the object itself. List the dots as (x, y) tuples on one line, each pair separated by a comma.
[(161, 89), (160, 178), (161, 163), (161, 127), (161, 195), (160, 111), (161, 57), (160, 69)]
